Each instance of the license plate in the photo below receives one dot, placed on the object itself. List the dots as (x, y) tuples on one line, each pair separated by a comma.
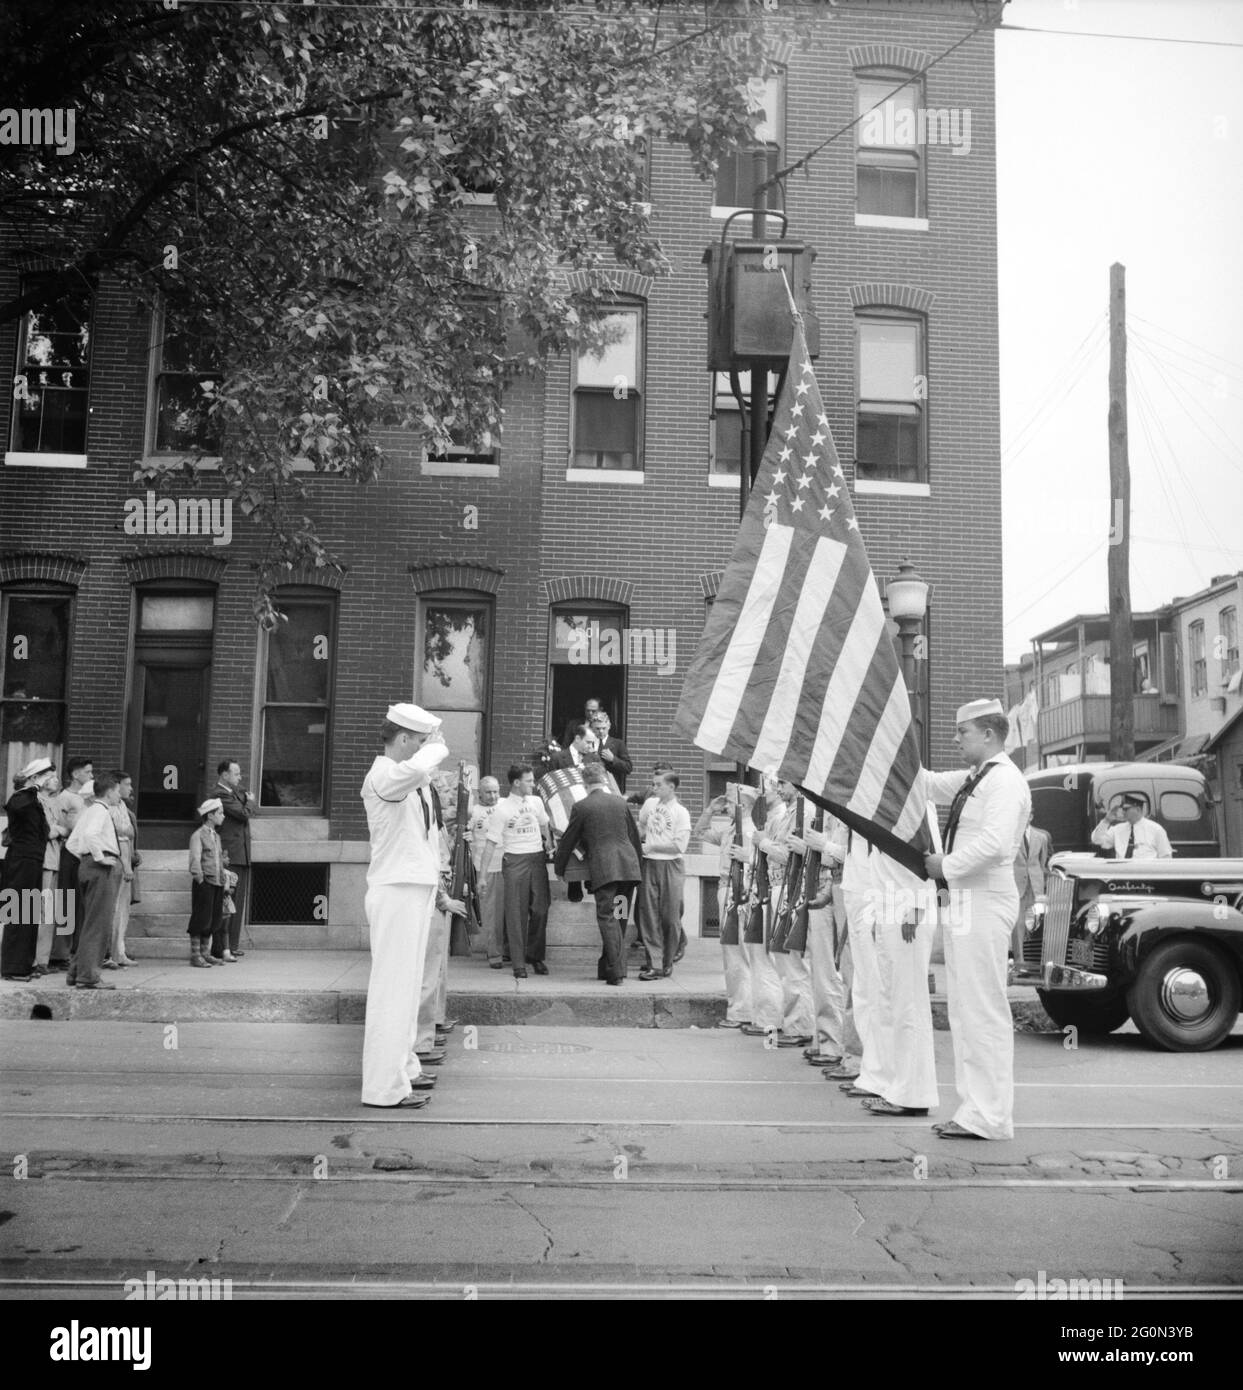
[(1079, 953)]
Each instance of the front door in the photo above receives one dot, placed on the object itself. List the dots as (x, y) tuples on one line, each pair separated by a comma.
[(172, 741)]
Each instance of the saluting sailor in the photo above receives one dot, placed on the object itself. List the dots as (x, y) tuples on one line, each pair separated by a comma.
[(402, 894), (989, 806)]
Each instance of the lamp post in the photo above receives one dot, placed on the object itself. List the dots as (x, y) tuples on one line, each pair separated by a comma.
[(907, 596)]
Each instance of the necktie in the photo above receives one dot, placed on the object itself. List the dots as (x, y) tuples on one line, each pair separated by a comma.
[(1130, 844)]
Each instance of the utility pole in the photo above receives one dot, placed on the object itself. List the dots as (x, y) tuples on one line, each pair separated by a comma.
[(1121, 644), (756, 423)]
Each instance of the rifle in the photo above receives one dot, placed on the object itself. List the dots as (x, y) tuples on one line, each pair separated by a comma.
[(462, 885), (734, 889), (796, 939), (757, 903), (787, 897)]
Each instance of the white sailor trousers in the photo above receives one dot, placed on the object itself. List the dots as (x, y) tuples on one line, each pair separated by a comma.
[(982, 1027), (798, 1013), (737, 971), (434, 994), (828, 991), (399, 917), (869, 1003), (912, 1079), (767, 1005)]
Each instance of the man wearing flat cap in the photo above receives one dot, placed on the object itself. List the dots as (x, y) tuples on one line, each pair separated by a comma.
[(402, 894), (989, 807)]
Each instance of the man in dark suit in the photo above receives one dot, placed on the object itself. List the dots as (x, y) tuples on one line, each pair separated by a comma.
[(602, 823), (590, 710), (238, 806), (581, 749), (613, 752), (1031, 862)]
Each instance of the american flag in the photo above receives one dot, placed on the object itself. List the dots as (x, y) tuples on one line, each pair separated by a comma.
[(559, 790), (796, 673)]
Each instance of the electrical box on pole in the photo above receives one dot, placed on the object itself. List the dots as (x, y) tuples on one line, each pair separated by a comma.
[(748, 308)]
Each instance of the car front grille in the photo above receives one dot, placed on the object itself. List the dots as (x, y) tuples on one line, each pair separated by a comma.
[(1060, 898)]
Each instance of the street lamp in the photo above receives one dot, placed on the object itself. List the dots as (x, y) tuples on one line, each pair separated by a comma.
[(907, 596)]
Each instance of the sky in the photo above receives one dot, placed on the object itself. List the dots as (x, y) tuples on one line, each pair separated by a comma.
[(1113, 149)]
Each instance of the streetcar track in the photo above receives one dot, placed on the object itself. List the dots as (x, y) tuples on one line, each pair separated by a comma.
[(606, 1122), (752, 1184)]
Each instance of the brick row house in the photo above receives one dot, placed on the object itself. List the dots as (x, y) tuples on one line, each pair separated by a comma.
[(472, 576)]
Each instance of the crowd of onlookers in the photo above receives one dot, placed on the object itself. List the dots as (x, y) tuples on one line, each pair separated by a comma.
[(69, 877)]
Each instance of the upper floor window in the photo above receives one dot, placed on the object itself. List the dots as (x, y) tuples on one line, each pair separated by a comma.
[(727, 436), (34, 670), (891, 425), (889, 171), (1199, 664), (735, 177), (1228, 642), (184, 376), (296, 668), (52, 381), (608, 397)]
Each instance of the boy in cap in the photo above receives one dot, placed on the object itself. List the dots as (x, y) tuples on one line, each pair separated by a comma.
[(402, 894)]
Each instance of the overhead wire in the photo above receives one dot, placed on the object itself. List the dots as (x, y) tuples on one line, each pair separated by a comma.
[(1058, 390), (1178, 401)]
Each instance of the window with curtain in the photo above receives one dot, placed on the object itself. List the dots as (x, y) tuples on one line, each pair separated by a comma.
[(608, 395), (298, 668), (888, 156), (52, 376), (34, 672), (453, 664), (891, 424)]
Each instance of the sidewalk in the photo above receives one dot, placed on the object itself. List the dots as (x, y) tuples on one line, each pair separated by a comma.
[(331, 987)]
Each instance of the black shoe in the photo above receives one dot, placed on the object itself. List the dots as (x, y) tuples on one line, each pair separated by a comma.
[(539, 967), (520, 974), (423, 1082), (649, 974), (18, 979), (496, 965), (612, 982)]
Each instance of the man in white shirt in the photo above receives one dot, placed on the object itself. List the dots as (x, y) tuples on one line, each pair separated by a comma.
[(521, 829), (94, 841), (402, 893), (989, 806), (489, 882), (666, 834), (1138, 837)]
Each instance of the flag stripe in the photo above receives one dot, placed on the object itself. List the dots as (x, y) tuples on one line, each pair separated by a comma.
[(738, 661)]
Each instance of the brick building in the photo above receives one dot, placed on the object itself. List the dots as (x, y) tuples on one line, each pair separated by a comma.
[(469, 575)]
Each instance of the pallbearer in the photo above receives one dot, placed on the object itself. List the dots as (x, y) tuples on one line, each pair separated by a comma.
[(989, 805)]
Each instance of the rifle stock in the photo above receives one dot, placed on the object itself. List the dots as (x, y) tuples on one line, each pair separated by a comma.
[(783, 918), (734, 890)]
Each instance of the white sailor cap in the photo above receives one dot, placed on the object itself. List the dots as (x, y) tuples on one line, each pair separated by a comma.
[(976, 709), (413, 718), (39, 768), (213, 803)]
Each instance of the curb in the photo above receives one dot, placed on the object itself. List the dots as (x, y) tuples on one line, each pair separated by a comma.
[(634, 1010)]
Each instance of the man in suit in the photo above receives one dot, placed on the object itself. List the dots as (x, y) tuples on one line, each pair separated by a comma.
[(238, 806), (1030, 864), (613, 752), (581, 748), (989, 806), (602, 823), (590, 710)]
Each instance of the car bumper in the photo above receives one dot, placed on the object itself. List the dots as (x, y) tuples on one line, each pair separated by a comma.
[(1070, 977)]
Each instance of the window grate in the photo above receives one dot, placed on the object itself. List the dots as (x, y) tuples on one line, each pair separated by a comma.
[(289, 895)]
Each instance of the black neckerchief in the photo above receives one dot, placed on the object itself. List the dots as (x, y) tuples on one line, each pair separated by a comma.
[(960, 800)]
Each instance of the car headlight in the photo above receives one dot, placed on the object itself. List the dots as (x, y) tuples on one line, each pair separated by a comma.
[(1034, 917), (1095, 918)]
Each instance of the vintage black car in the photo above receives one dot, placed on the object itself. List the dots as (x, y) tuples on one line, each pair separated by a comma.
[(1159, 941)]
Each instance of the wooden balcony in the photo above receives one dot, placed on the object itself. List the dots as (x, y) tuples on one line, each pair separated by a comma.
[(1086, 721)]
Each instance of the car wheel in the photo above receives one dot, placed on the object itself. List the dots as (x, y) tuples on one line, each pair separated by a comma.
[(1185, 997), (1089, 1015)]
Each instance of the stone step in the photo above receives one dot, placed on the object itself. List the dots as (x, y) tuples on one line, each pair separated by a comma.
[(157, 902)]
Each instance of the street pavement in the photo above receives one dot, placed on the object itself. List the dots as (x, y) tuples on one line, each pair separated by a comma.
[(599, 1162)]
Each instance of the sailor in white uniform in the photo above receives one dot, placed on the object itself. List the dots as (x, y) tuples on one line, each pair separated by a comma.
[(989, 807), (402, 892)]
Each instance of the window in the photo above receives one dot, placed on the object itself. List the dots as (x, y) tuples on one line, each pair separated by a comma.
[(184, 376), (735, 178), (1228, 642), (890, 435), (298, 660), (1199, 665), (453, 671), (34, 667), (888, 157), (1180, 806), (727, 441), (52, 381), (608, 388)]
